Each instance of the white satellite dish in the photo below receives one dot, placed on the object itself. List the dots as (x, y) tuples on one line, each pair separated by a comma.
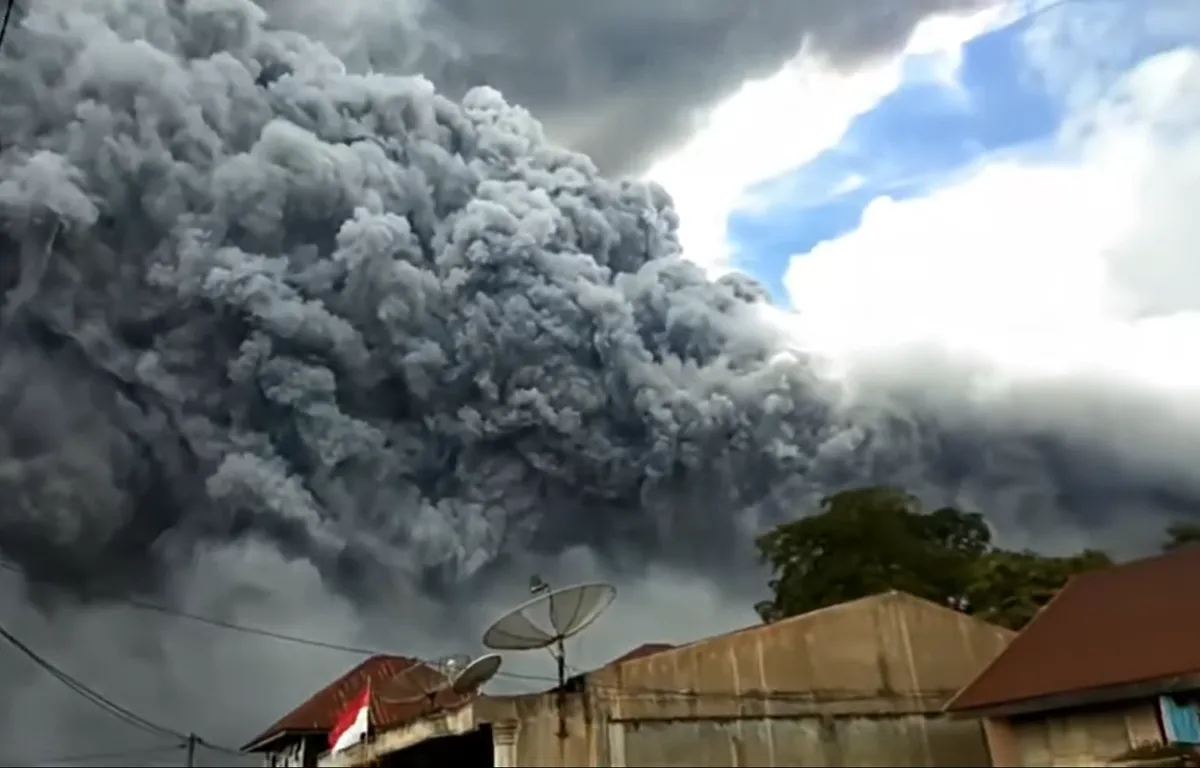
[(476, 674), (549, 619), (424, 680)]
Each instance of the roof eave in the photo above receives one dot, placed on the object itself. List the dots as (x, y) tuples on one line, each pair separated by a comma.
[(265, 742), (1072, 699)]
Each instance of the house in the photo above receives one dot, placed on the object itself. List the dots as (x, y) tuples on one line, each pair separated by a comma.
[(861, 683), (1107, 671), (299, 737)]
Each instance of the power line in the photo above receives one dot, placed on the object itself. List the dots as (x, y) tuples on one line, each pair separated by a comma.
[(108, 705), (191, 741), (87, 758), (261, 632), (98, 700), (635, 691), (8, 10), (623, 690)]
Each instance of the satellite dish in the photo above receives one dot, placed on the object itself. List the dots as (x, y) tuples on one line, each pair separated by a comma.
[(476, 674), (547, 620), (424, 680)]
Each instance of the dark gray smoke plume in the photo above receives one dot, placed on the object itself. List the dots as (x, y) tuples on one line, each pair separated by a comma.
[(329, 351), (253, 294), (617, 80)]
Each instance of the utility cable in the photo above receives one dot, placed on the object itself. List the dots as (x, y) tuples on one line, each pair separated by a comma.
[(8, 11), (623, 690), (100, 701), (629, 691), (108, 705), (87, 758), (267, 633)]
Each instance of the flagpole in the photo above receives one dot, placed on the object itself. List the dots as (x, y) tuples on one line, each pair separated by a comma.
[(368, 745)]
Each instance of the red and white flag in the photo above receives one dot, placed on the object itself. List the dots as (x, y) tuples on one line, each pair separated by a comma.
[(351, 725)]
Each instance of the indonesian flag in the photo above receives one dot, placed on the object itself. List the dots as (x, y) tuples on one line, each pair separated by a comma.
[(351, 725)]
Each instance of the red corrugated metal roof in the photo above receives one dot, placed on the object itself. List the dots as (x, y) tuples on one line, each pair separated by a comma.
[(1133, 623), (318, 713)]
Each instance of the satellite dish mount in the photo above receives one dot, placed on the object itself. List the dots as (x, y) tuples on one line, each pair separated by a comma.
[(547, 620), (425, 680)]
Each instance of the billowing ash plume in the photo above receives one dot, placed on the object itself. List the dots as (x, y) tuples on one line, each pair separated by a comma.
[(617, 80), (249, 293)]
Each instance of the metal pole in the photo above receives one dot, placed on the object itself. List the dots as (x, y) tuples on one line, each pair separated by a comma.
[(191, 750), (562, 694)]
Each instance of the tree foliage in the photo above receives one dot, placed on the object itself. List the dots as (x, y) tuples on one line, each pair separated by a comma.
[(1181, 534), (868, 540)]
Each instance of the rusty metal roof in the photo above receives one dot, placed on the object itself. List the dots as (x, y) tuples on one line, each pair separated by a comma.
[(1129, 624), (318, 713)]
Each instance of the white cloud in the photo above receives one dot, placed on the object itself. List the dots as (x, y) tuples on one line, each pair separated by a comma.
[(772, 125), (937, 45), (1081, 267)]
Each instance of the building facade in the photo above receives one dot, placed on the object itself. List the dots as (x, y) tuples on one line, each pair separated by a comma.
[(1107, 673), (863, 683), (299, 738)]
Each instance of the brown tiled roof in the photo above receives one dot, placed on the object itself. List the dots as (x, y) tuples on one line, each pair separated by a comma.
[(318, 713), (1133, 623)]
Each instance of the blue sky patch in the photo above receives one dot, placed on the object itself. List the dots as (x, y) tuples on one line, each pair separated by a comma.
[(928, 132)]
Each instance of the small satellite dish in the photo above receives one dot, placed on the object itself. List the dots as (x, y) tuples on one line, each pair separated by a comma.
[(566, 611), (424, 680), (476, 674)]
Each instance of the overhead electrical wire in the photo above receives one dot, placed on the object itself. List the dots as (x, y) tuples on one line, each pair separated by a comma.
[(105, 704), (97, 699), (622, 690), (260, 632), (89, 757), (8, 11)]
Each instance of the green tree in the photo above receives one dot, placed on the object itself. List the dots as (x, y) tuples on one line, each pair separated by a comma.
[(1008, 588), (1181, 534), (868, 540)]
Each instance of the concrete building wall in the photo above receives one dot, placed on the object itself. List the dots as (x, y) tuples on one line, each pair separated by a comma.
[(857, 684), (1081, 737), (590, 738), (553, 729), (862, 683), (888, 654), (911, 740)]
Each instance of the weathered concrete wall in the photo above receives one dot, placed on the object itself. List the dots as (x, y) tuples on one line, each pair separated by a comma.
[(552, 729), (887, 654), (862, 683), (912, 740), (1083, 737), (590, 739)]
